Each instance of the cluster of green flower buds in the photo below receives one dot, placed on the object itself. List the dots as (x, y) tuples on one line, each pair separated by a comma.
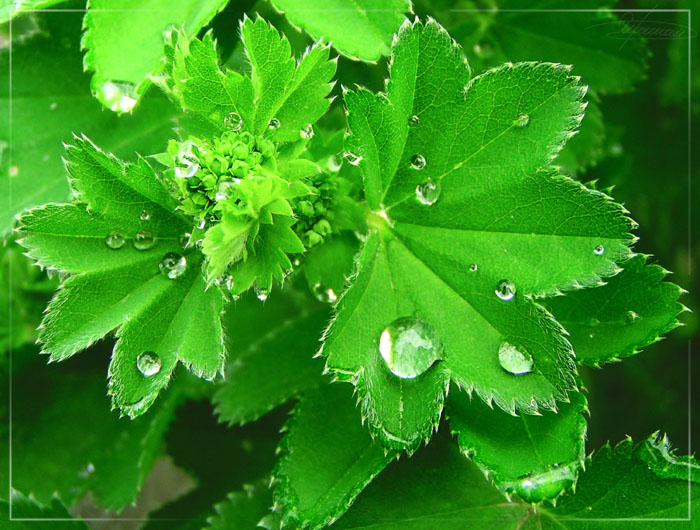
[(205, 171), (314, 212)]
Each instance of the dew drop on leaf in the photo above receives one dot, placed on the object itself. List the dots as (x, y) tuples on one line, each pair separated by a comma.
[(145, 215), (428, 192), (418, 162), (409, 346), (324, 294), (473, 267), (53, 106), (542, 485), (514, 360), (14, 171), (599, 250), (86, 471), (173, 265), (352, 158), (185, 240), (414, 121), (333, 164), (148, 363), (202, 224), (115, 240), (505, 290), (262, 294), (307, 131), (522, 120), (233, 121), (187, 171), (119, 97), (274, 124), (631, 317), (144, 240)]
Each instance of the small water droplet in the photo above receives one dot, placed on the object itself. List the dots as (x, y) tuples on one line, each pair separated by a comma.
[(409, 346), (234, 121), (599, 250), (173, 265), (144, 240), (119, 97), (473, 267), (145, 215), (53, 106), (414, 121), (274, 124), (616, 149), (522, 120), (428, 192), (631, 317), (483, 50), (148, 363), (513, 360), (542, 485), (14, 171), (185, 240), (228, 282), (592, 322), (307, 131), (333, 163), (352, 158), (115, 240), (323, 294), (418, 162), (86, 471), (262, 294), (505, 290), (202, 224)]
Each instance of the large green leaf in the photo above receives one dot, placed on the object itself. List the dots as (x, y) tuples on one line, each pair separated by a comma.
[(468, 224), (534, 456), (124, 43), (120, 246), (633, 310), (321, 471), (626, 487), (359, 29), (51, 100)]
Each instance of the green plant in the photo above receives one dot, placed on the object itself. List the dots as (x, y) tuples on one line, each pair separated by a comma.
[(429, 246)]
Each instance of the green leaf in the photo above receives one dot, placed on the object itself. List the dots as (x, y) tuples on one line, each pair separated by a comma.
[(242, 509), (439, 488), (516, 452), (293, 94), (51, 100), (606, 52), (633, 310), (495, 229), (359, 29), (124, 45), (321, 471), (586, 148), (27, 508), (329, 264), (120, 286), (277, 363), (11, 8)]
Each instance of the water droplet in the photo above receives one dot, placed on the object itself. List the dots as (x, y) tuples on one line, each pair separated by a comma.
[(115, 240), (418, 162), (599, 250), (333, 163), (228, 282), (414, 121), (409, 346), (202, 224), (323, 294), (542, 485), (307, 131), (483, 50), (522, 120), (505, 290), (513, 360), (262, 294), (14, 171), (53, 106), (274, 124), (86, 471), (187, 171), (428, 192), (173, 265), (234, 121), (473, 267), (185, 240), (148, 363), (352, 158), (616, 149), (119, 97), (144, 240), (631, 317), (145, 215)]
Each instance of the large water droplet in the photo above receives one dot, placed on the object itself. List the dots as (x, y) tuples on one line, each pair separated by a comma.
[(145, 215), (409, 346), (115, 240), (233, 121), (119, 97), (144, 240), (414, 121), (333, 163), (148, 363), (599, 250), (418, 162), (428, 192), (274, 124), (522, 120), (631, 317), (186, 172), (352, 158), (544, 485), (514, 360), (307, 131), (324, 294), (505, 290), (173, 265)]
